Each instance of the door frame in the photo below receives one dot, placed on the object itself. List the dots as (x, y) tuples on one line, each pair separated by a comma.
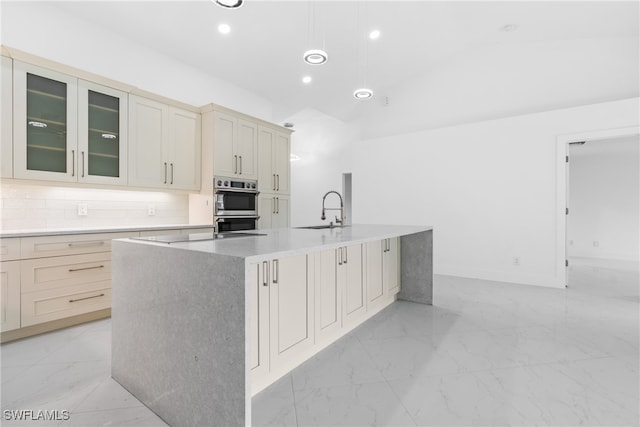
[(562, 186)]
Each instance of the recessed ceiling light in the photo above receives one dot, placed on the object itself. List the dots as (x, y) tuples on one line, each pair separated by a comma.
[(224, 28), (315, 56), (374, 34), (509, 28), (294, 157), (306, 80), (230, 4), (363, 93)]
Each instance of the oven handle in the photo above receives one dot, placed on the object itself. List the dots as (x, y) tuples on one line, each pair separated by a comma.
[(222, 218), (231, 190)]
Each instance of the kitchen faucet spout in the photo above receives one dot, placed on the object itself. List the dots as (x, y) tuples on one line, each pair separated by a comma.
[(341, 208)]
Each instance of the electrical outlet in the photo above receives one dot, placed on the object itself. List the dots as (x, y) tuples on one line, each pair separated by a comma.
[(516, 260), (82, 209), (151, 210), (596, 244)]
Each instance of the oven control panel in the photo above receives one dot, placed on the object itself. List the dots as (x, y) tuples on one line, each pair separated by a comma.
[(221, 183)]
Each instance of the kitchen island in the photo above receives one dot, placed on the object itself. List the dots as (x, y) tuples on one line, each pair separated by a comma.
[(198, 327)]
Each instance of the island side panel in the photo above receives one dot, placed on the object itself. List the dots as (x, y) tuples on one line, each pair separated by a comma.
[(416, 266), (178, 332)]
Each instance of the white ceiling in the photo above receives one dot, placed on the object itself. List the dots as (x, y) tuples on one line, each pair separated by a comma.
[(263, 52)]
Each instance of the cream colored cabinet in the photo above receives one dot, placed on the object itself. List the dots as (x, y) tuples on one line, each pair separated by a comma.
[(9, 249), (259, 324), (290, 310), (391, 264), (54, 246), (165, 145), (274, 151), (329, 281), (350, 273), (375, 275), (9, 295), (45, 128), (6, 117), (66, 129), (273, 211), (234, 146)]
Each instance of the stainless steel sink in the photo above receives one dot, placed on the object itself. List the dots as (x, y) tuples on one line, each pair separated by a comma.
[(319, 227)]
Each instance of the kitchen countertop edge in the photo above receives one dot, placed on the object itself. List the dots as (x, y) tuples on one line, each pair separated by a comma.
[(115, 229)]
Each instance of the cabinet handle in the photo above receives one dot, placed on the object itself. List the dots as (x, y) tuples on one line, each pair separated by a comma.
[(339, 256), (265, 273), (274, 182), (277, 205), (235, 164), (165, 172), (82, 152), (85, 244), (71, 270), (273, 205), (82, 299), (171, 173), (73, 162), (276, 271), (240, 157), (345, 255), (278, 182)]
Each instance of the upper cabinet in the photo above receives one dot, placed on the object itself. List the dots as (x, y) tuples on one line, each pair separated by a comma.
[(66, 129), (6, 118), (234, 146), (274, 148), (166, 152)]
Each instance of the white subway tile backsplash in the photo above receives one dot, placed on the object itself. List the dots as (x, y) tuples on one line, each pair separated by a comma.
[(44, 207)]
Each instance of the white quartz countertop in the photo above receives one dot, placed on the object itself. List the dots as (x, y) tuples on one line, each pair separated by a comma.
[(115, 229), (292, 241)]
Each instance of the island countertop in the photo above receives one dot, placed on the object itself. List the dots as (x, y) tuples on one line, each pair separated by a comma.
[(293, 241)]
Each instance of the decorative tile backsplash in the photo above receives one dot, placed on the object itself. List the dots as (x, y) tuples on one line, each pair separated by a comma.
[(44, 207)]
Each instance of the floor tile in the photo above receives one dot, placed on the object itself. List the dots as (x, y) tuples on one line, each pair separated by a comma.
[(137, 416), (275, 407)]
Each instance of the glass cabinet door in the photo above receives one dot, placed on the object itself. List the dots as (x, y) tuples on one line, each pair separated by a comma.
[(45, 108), (102, 134)]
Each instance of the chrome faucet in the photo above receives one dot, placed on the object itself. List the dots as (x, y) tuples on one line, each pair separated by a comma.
[(341, 209)]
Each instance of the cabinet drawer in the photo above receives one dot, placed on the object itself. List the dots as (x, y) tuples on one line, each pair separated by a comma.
[(52, 304), (10, 249), (57, 272), (39, 247)]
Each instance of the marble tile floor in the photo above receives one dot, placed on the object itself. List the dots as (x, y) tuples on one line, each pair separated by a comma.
[(486, 353)]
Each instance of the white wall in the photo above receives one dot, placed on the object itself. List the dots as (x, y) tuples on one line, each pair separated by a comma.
[(324, 145), (502, 80), (604, 193), (41, 29), (488, 188)]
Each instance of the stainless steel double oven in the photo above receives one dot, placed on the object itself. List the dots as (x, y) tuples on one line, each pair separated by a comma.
[(235, 204)]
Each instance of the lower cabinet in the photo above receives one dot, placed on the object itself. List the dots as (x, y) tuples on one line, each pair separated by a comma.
[(281, 316), (300, 304), (9, 295)]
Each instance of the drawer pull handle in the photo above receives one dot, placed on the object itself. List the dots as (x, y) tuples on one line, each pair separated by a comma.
[(84, 244), (71, 270), (82, 299)]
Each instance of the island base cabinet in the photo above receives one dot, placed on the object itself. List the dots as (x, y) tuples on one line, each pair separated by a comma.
[(354, 301), (259, 323), (391, 265), (328, 293), (9, 295)]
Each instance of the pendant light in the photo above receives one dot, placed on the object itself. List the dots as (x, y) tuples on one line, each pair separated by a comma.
[(361, 70), (314, 56), (230, 4)]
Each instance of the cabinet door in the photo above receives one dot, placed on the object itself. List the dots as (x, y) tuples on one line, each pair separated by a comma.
[(183, 150), (266, 210), (225, 161), (375, 276), (102, 134), (282, 162), (148, 132), (281, 217), (330, 275), (290, 311), (45, 112), (6, 118), (247, 149), (391, 266), (259, 318), (354, 291), (266, 175), (9, 295)]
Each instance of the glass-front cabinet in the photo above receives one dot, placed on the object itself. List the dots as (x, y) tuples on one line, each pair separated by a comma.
[(67, 129)]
